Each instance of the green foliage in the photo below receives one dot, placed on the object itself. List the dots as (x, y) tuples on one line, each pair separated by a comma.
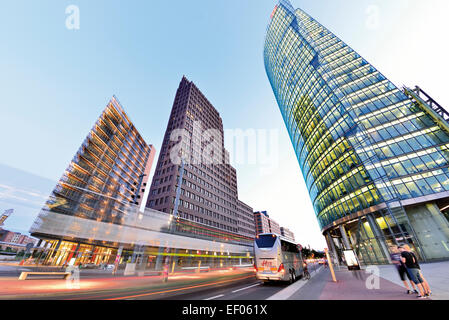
[(312, 254)]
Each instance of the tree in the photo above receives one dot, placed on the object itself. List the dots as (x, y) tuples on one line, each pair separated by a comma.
[(312, 254)]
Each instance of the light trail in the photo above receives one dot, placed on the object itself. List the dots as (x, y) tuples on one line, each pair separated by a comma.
[(180, 289)]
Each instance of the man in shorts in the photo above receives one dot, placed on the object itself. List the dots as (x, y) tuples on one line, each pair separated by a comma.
[(411, 263), (402, 270)]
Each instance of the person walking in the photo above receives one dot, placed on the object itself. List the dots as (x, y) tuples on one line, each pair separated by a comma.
[(402, 270), (413, 268)]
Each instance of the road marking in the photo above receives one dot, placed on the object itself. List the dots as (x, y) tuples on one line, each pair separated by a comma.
[(219, 296), (292, 289), (257, 284), (177, 289)]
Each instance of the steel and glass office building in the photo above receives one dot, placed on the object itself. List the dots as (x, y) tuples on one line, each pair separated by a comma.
[(93, 215), (104, 181), (209, 193), (374, 156)]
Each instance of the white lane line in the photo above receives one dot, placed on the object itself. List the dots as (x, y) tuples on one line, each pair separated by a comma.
[(257, 284), (219, 296), (292, 289)]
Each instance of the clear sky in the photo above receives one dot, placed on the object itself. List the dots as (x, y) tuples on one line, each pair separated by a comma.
[(55, 82)]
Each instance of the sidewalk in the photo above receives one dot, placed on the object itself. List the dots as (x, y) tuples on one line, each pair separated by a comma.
[(436, 274), (350, 285), (293, 288)]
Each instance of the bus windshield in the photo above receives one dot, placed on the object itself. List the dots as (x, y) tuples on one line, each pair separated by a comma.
[(266, 241)]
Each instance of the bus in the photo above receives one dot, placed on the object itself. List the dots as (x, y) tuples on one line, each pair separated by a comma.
[(277, 258)]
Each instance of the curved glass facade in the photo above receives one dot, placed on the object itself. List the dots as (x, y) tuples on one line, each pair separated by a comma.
[(348, 124)]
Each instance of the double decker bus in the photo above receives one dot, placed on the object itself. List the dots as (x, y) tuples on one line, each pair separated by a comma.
[(277, 258)]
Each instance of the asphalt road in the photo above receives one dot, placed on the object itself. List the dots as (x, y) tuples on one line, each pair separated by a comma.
[(173, 290), (252, 289), (233, 287), (247, 290)]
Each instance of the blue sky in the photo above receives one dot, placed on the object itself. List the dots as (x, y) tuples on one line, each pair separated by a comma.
[(55, 82)]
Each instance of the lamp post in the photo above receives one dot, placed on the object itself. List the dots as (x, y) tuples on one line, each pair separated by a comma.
[(329, 262)]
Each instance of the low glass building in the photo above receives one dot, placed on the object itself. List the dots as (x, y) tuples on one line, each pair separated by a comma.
[(374, 156)]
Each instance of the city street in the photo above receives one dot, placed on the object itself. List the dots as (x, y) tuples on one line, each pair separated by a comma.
[(130, 287), (220, 285), (255, 290), (224, 285), (142, 288), (194, 153)]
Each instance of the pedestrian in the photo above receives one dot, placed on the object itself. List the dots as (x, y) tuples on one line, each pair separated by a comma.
[(425, 283), (402, 270), (411, 263)]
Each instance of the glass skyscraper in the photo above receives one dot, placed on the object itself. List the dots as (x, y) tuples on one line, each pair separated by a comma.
[(102, 184), (374, 156)]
